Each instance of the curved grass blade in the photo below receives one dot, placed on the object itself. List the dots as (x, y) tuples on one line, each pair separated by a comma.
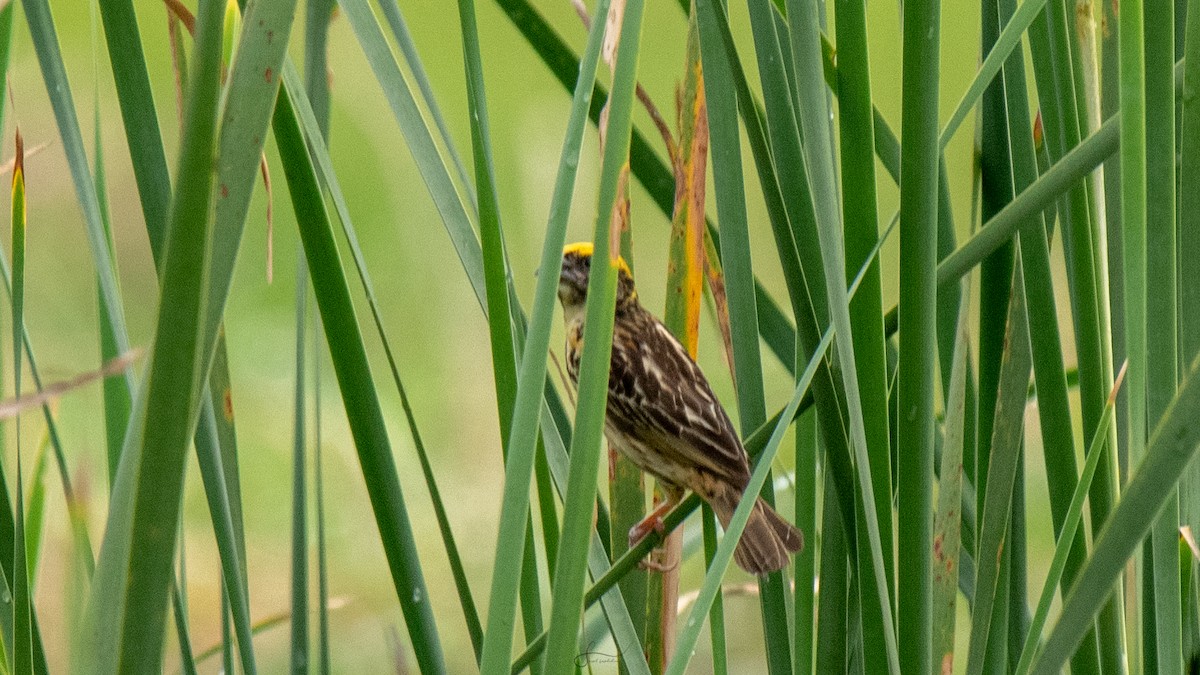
[(395, 20), (1173, 444), (455, 215), (359, 394)]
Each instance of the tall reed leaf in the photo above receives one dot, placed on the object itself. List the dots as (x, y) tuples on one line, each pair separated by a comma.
[(918, 256), (21, 593), (531, 378), (134, 639)]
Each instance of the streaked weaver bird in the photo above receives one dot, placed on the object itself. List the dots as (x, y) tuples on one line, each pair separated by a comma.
[(663, 415)]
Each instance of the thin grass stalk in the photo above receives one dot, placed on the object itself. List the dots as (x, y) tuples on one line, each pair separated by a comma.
[(498, 637), (1161, 312), (1005, 460), (1189, 233), (299, 600), (495, 272), (805, 562), (1133, 219), (22, 601), (832, 653), (117, 399), (918, 244), (324, 650), (395, 21), (995, 292), (45, 39), (948, 518)]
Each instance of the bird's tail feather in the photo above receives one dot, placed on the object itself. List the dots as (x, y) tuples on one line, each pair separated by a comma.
[(768, 539)]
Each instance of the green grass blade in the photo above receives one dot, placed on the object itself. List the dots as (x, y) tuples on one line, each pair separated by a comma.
[(495, 273), (318, 14), (455, 216), (805, 489), (1161, 312), (359, 394), (1171, 447), (857, 150), (947, 524), (299, 638), (918, 243), (1005, 459), (134, 638), (323, 646), (395, 20), (568, 578), (35, 518), (21, 596), (1189, 235), (532, 374), (1067, 539)]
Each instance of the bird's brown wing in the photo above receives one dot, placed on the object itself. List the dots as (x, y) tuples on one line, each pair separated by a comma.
[(658, 394)]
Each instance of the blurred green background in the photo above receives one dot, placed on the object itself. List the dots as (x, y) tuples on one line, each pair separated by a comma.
[(430, 312)]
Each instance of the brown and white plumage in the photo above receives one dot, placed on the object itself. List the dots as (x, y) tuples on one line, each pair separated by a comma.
[(663, 414)]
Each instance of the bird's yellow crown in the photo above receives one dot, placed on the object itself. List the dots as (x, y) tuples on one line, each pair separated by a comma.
[(584, 249)]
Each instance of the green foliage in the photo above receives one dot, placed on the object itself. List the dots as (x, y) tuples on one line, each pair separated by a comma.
[(889, 409)]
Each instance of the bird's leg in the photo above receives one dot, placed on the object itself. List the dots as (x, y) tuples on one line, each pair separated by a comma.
[(655, 562), (653, 522)]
